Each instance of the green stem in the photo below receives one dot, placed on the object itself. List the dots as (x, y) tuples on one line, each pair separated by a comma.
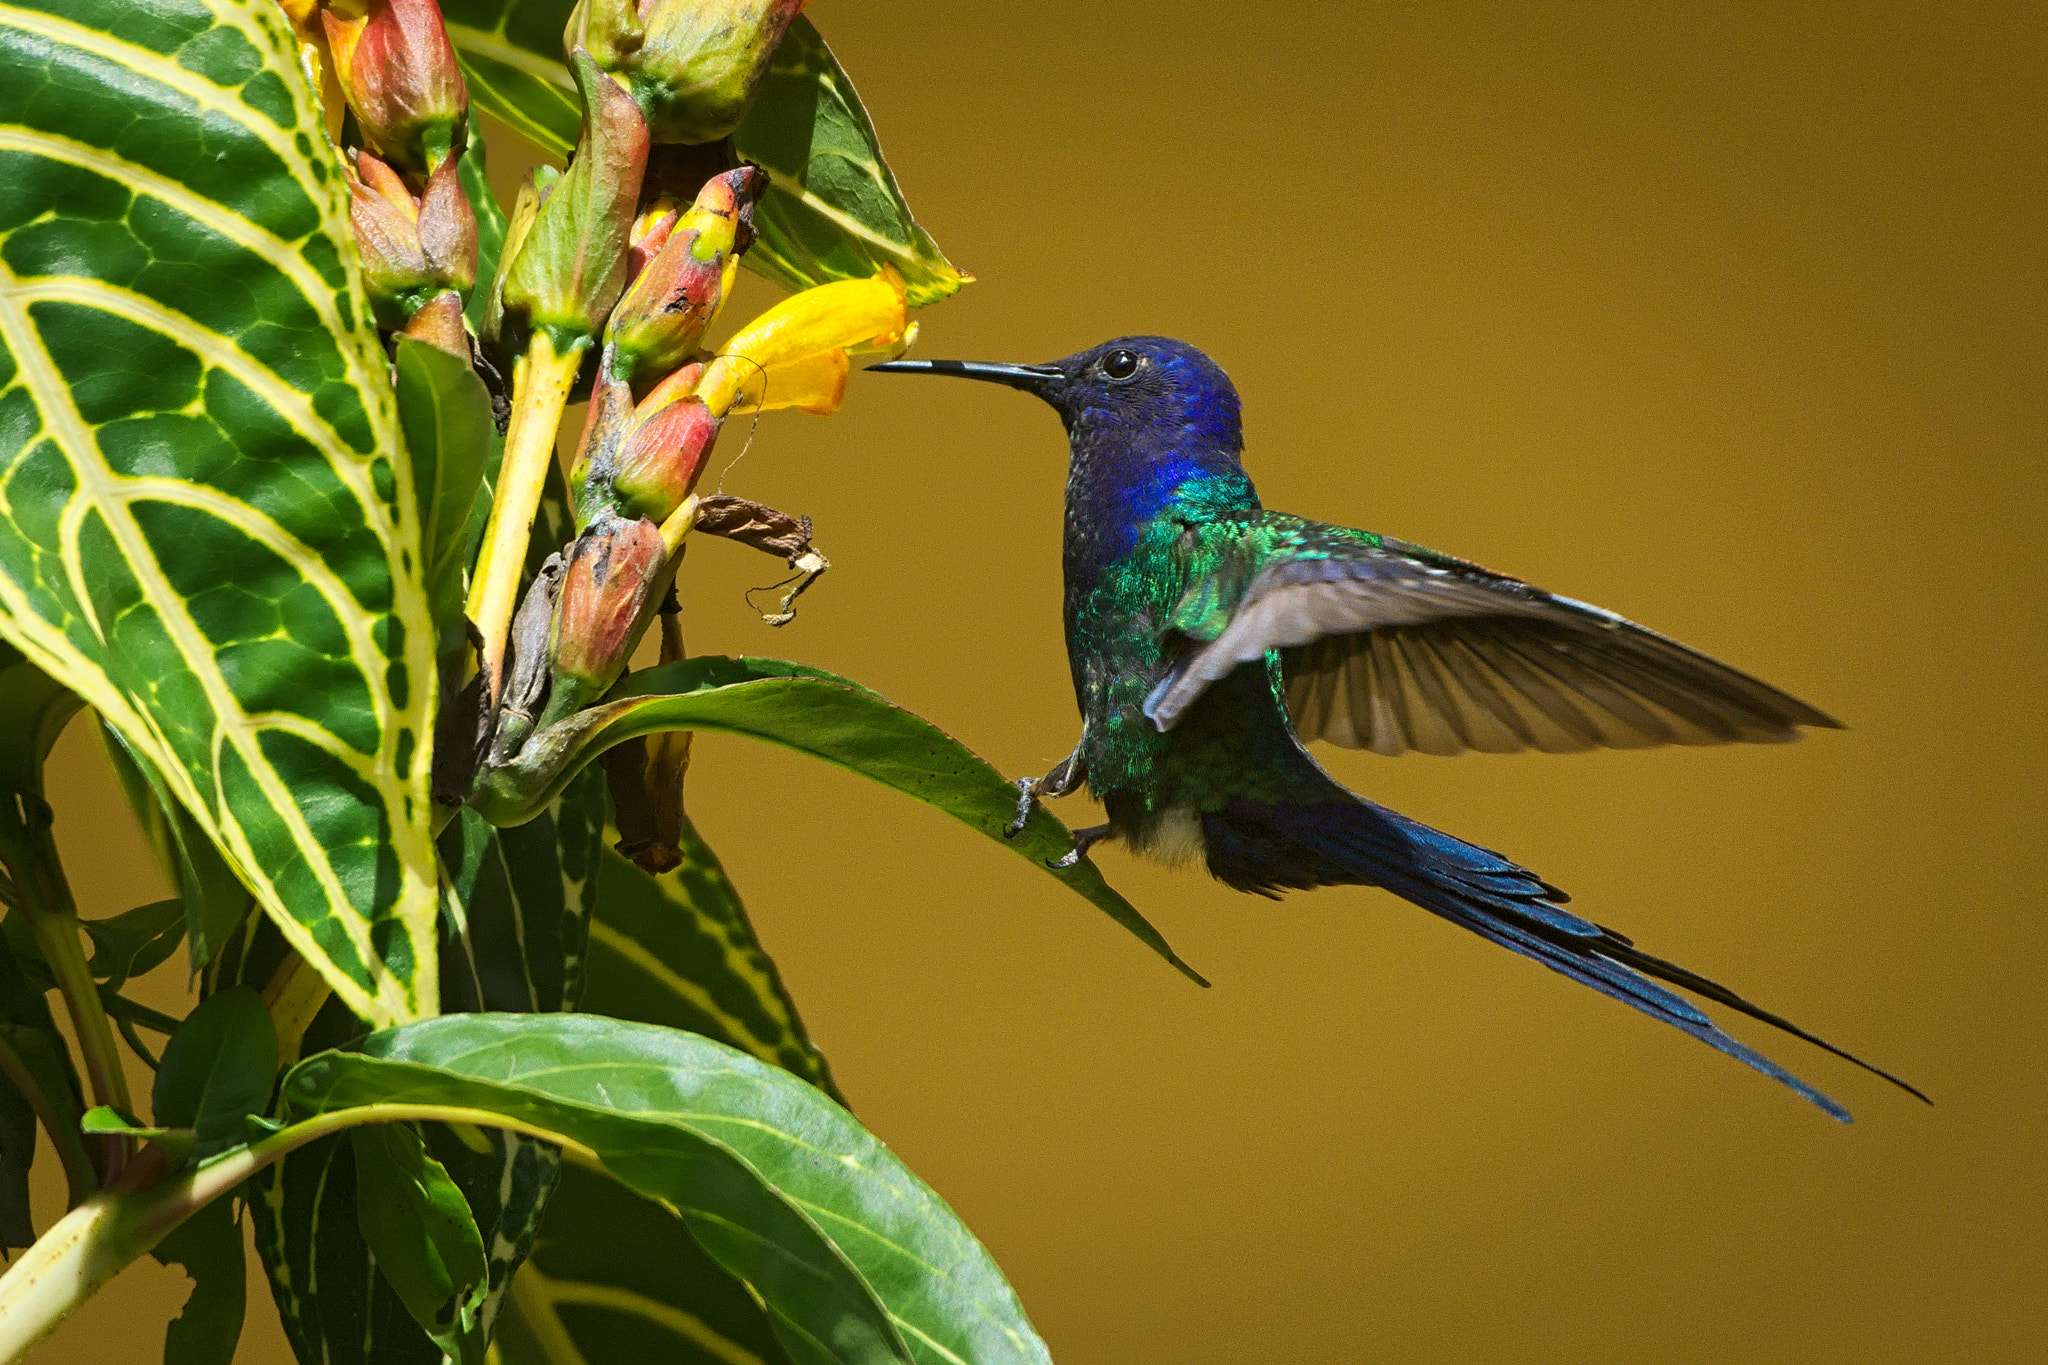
[(45, 897), (92, 1243)]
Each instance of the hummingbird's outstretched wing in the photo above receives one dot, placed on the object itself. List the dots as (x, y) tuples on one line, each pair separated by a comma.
[(1390, 647)]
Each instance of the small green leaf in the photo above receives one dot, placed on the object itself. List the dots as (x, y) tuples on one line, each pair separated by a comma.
[(101, 1120), (419, 1227), (216, 1069), (446, 414), (817, 713), (780, 1185), (209, 1246), (832, 211), (130, 944)]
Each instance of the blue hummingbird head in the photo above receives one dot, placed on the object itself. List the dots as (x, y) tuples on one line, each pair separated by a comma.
[(1136, 400), (1152, 429)]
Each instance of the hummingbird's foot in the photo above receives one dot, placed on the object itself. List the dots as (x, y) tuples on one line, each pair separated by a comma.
[(1027, 797), (1084, 839), (1064, 778)]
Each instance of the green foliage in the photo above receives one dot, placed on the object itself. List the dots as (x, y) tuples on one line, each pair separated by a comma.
[(515, 906), (217, 1070), (616, 1279), (677, 950), (833, 211), (852, 1254), (214, 899)]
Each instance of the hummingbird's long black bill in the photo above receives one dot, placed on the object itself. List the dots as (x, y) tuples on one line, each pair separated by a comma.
[(1030, 378)]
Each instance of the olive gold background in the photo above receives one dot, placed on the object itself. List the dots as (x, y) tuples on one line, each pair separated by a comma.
[(1727, 317)]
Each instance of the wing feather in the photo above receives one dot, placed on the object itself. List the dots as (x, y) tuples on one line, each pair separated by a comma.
[(1391, 648)]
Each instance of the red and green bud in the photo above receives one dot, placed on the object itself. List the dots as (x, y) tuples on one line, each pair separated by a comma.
[(692, 64), (412, 249), (397, 70), (641, 460), (616, 574), (659, 322), (569, 267), (439, 323)]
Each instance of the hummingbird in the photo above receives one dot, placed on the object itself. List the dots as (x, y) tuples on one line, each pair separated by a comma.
[(1208, 638)]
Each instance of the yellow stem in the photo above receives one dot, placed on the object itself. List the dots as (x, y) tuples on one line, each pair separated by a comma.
[(293, 995), (541, 381)]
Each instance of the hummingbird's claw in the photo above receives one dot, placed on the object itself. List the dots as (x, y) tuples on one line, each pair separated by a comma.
[(1084, 839)]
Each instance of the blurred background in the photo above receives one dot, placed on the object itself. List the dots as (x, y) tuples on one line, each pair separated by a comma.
[(1729, 318)]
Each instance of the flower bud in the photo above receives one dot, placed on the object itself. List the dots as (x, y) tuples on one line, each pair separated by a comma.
[(397, 70), (439, 323), (659, 462), (639, 461), (846, 315), (570, 266), (412, 249), (692, 64), (616, 573), (664, 313)]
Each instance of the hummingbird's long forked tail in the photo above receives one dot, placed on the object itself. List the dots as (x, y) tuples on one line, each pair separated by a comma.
[(1265, 849)]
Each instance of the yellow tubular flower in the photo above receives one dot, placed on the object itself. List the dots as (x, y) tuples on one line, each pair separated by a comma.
[(790, 339)]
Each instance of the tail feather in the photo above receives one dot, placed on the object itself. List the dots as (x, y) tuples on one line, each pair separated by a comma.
[(1266, 849)]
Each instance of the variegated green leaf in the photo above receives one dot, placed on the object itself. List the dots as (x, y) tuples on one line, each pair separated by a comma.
[(490, 222), (511, 55), (206, 526), (214, 898), (677, 950), (833, 210)]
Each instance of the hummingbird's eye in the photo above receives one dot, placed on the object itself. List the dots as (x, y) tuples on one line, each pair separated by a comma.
[(1120, 364)]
